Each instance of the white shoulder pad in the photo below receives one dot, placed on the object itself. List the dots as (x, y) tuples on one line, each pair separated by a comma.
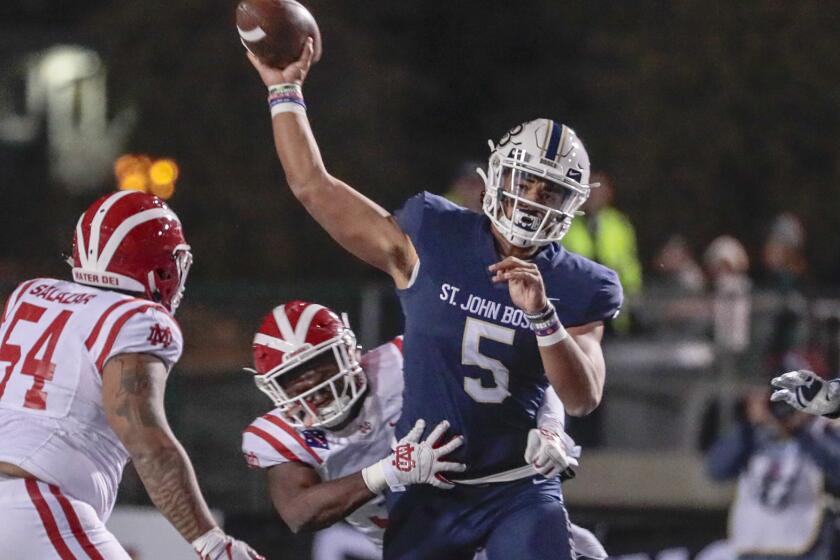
[(384, 364), (140, 327), (270, 441), (15, 296)]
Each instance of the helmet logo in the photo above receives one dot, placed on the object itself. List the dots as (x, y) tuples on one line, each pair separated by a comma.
[(508, 137), (574, 174)]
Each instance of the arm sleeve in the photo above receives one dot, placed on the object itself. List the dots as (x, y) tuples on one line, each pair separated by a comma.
[(552, 414), (144, 330), (607, 300), (265, 445), (551, 411), (410, 217), (730, 454)]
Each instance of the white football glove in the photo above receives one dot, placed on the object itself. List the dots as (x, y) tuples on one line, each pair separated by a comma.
[(216, 545), (550, 454), (805, 391), (414, 461)]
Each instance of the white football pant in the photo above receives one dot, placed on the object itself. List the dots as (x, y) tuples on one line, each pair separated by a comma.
[(38, 522)]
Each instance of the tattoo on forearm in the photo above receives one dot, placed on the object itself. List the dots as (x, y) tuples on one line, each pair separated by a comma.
[(135, 382), (158, 458), (171, 485)]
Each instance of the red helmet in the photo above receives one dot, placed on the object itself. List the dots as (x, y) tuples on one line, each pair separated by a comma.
[(132, 241), (294, 334)]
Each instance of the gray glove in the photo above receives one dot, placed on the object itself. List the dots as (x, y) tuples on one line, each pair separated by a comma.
[(805, 391)]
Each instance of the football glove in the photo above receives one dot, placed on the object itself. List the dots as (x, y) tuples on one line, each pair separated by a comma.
[(805, 391), (414, 461), (550, 454), (216, 545)]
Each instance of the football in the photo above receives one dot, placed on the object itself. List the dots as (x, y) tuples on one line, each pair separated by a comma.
[(276, 30)]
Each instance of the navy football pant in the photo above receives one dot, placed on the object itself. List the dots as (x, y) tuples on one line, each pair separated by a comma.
[(518, 519)]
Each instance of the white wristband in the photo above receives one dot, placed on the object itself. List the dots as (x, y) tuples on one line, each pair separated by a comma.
[(382, 475), (287, 108), (559, 335), (374, 478), (208, 540)]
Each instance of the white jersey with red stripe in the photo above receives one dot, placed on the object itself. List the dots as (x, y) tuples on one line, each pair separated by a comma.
[(55, 338), (270, 441)]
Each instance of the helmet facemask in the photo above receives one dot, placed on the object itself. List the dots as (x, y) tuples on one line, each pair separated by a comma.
[(167, 285), (522, 221), (343, 388)]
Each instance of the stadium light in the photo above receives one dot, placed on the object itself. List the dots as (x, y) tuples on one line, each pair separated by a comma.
[(142, 173), (133, 182), (163, 172)]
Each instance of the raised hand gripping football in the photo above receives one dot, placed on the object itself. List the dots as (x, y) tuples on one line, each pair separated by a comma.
[(415, 461), (805, 391), (294, 73), (525, 283)]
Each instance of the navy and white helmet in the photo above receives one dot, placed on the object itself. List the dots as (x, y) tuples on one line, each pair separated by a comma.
[(540, 150)]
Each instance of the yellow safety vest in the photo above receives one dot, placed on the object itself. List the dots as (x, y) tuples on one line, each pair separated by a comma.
[(614, 246)]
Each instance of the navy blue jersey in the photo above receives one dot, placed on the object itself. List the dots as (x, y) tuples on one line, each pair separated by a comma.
[(470, 356)]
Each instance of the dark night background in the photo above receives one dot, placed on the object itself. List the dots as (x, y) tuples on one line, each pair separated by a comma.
[(712, 116)]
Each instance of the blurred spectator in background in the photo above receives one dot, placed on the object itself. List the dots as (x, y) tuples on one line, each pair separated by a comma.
[(783, 254), (789, 346), (605, 235), (466, 186), (677, 270), (781, 458), (676, 304), (727, 264), (785, 267)]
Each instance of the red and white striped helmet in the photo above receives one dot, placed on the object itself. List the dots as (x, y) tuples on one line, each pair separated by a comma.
[(132, 241), (294, 334)]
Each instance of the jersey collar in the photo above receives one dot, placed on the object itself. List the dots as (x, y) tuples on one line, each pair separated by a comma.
[(544, 258)]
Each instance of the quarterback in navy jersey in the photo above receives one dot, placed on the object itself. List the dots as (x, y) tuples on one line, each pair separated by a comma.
[(495, 309)]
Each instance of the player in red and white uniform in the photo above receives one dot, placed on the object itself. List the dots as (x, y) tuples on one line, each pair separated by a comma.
[(83, 366), (327, 446)]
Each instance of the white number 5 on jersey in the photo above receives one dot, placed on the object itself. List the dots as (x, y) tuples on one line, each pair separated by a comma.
[(474, 331)]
